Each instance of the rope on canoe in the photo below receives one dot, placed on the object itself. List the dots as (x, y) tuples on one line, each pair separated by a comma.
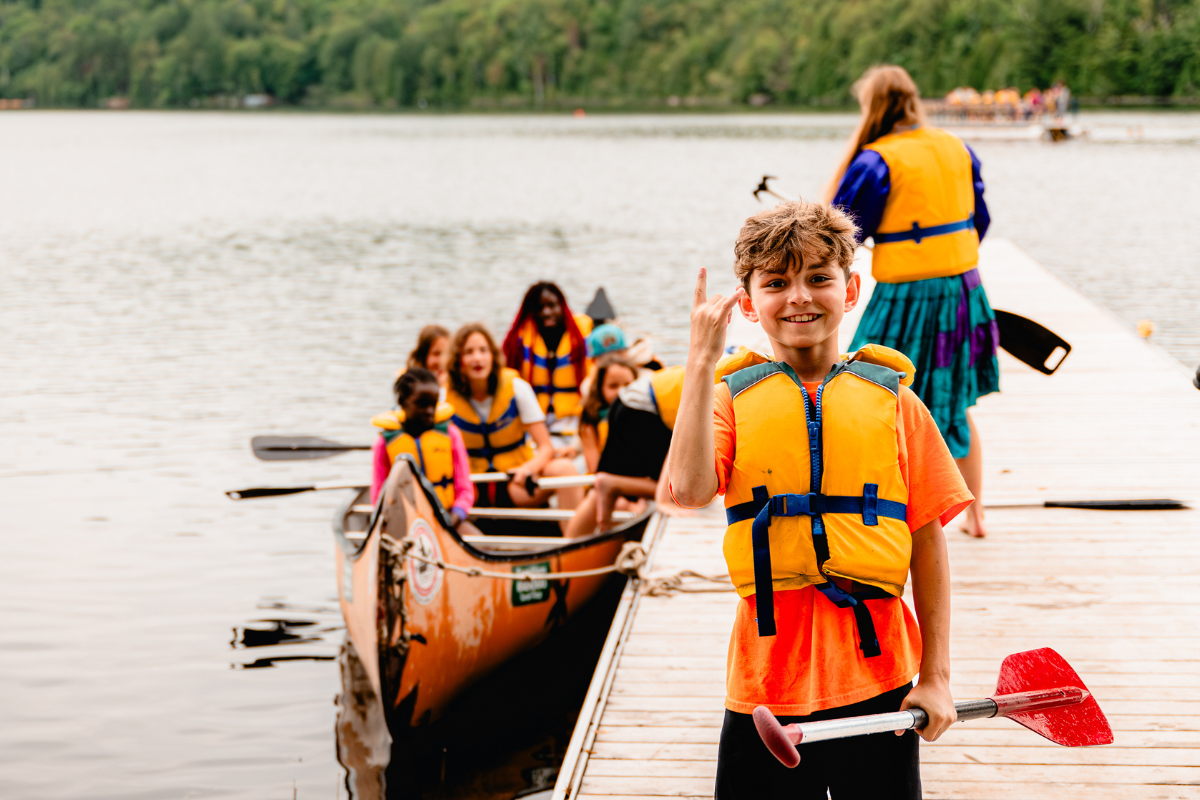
[(630, 561)]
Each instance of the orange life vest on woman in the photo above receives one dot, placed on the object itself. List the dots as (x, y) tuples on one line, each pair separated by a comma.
[(552, 375), (928, 225)]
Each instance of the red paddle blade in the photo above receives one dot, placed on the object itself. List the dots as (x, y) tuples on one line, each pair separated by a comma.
[(1076, 725), (771, 732)]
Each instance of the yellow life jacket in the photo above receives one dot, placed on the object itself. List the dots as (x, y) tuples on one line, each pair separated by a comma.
[(666, 387), (783, 533), (928, 224), (602, 430), (432, 451), (552, 376), (496, 444)]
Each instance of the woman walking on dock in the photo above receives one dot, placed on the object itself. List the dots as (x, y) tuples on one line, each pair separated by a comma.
[(917, 191)]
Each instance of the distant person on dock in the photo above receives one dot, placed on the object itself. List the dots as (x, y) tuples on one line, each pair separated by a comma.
[(498, 413), (432, 353), (546, 345), (917, 191), (422, 429), (640, 422), (836, 486)]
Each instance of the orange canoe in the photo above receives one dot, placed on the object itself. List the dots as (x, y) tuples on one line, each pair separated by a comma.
[(424, 634)]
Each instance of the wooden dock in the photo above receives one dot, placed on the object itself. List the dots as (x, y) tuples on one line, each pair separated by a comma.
[(1116, 592)]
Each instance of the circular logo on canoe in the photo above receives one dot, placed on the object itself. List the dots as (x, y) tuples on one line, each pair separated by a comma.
[(424, 580)]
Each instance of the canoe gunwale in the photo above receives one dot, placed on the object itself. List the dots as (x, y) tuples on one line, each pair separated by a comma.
[(353, 549)]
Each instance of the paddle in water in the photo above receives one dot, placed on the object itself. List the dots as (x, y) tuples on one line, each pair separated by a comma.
[(298, 448), (1037, 689)]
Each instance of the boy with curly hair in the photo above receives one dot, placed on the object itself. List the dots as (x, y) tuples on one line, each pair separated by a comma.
[(836, 485)]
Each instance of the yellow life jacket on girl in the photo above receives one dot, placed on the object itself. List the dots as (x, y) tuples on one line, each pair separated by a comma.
[(666, 387), (816, 492), (602, 430), (496, 444), (552, 376), (928, 224), (433, 453)]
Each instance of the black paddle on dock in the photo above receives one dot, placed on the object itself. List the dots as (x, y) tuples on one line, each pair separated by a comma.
[(1031, 343)]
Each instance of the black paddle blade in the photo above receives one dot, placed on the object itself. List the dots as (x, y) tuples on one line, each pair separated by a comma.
[(1030, 342), (275, 491), (298, 448), (1119, 505), (600, 310)]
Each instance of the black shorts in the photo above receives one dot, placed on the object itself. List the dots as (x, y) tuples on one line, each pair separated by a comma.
[(637, 443), (882, 766)]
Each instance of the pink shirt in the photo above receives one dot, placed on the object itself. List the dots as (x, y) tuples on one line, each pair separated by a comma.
[(464, 489)]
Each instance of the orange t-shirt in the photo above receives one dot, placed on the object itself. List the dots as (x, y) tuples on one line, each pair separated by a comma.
[(813, 662)]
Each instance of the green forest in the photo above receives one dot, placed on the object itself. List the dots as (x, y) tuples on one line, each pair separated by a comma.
[(463, 54)]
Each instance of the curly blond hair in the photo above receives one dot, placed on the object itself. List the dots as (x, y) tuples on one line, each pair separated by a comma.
[(794, 233)]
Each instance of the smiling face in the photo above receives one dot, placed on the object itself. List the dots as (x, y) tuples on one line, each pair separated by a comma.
[(616, 378), (476, 358), (420, 408), (439, 353), (550, 312), (801, 308)]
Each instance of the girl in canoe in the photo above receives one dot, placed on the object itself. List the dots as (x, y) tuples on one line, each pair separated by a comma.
[(640, 421), (432, 353), (422, 429), (917, 191), (612, 373), (546, 346), (498, 413)]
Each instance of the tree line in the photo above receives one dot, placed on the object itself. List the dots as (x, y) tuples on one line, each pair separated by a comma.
[(533, 53)]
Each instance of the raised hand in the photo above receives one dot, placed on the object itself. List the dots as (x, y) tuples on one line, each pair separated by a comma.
[(710, 321)]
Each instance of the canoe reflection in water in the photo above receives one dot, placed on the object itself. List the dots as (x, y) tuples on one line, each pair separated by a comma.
[(478, 679)]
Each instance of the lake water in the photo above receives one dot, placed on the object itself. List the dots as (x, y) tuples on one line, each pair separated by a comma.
[(175, 283)]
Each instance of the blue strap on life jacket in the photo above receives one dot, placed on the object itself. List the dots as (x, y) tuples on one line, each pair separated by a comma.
[(868, 505), (764, 506), (917, 233)]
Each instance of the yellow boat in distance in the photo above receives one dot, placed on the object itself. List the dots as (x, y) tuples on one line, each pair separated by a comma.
[(424, 632)]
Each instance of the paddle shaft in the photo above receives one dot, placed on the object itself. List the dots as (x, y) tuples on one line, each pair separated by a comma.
[(563, 482), (279, 491), (986, 708)]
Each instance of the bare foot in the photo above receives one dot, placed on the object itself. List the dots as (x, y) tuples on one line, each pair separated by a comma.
[(972, 522)]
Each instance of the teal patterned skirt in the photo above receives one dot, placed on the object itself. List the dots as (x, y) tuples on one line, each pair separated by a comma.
[(948, 330)]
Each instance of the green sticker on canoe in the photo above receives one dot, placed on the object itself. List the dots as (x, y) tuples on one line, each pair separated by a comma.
[(533, 591)]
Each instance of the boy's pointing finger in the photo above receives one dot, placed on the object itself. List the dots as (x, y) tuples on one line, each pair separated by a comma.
[(701, 288)]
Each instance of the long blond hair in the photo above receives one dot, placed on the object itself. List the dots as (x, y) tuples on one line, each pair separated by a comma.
[(888, 97)]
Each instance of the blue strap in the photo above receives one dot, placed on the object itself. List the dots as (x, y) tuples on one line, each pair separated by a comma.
[(813, 504), (870, 505), (917, 233), (488, 452), (760, 541)]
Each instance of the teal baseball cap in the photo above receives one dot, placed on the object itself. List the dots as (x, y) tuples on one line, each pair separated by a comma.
[(605, 339)]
